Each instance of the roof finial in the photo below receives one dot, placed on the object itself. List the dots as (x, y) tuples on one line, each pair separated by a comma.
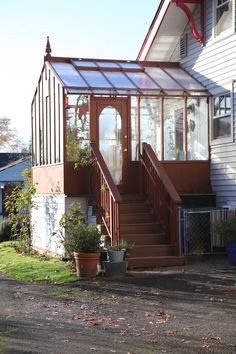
[(48, 49)]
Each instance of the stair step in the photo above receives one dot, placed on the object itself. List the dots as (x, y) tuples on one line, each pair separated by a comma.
[(152, 250), (131, 218), (145, 239), (133, 197), (134, 207), (140, 228), (154, 262)]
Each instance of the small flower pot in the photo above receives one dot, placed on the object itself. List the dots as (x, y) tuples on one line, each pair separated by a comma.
[(116, 256)]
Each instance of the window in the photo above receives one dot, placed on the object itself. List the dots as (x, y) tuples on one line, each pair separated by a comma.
[(222, 116), (223, 16)]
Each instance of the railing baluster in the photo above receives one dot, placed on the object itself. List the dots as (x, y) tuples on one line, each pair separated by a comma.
[(162, 194), (106, 195)]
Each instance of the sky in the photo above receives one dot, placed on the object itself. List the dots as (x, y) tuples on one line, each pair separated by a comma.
[(108, 29)]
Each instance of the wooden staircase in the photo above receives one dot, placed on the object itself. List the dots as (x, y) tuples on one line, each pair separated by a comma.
[(138, 225)]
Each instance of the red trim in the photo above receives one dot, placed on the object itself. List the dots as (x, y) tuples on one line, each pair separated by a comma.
[(180, 4), (189, 14), (150, 31)]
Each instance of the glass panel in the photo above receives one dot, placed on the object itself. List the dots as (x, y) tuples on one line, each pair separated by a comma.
[(222, 127), (68, 74), (118, 79), (129, 65), (95, 78), (150, 122), (223, 17), (81, 63), (106, 64), (174, 129), (77, 135), (162, 79), (110, 142), (142, 80), (197, 117), (184, 79), (134, 129)]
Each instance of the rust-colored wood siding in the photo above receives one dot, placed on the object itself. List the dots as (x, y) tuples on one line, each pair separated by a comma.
[(189, 176)]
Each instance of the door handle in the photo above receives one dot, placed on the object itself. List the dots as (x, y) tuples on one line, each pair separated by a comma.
[(125, 150)]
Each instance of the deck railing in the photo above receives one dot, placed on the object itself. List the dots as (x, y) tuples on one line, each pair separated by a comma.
[(162, 195), (106, 195)]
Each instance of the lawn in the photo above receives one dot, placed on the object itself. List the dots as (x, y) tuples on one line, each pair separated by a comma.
[(33, 268)]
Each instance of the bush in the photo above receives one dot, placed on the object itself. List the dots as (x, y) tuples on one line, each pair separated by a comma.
[(227, 229), (78, 237), (5, 229)]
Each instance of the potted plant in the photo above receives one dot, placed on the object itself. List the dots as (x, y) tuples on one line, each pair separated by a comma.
[(82, 241), (117, 253), (116, 264), (227, 230)]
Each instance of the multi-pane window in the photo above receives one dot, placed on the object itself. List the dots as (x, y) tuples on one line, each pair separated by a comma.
[(223, 16), (222, 116)]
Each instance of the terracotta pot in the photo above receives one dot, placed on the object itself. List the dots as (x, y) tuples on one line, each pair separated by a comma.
[(86, 264)]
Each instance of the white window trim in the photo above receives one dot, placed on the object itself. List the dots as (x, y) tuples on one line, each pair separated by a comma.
[(227, 139), (227, 32)]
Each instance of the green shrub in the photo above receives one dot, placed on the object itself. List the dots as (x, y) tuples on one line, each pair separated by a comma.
[(78, 236), (5, 229)]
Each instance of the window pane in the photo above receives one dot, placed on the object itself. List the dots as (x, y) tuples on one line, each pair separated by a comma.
[(77, 135), (134, 129), (68, 74), (224, 17), (142, 80), (81, 63), (162, 79), (95, 79), (150, 123), (184, 79), (174, 129), (197, 117), (129, 65), (118, 79), (110, 141), (222, 127), (106, 64), (216, 106)]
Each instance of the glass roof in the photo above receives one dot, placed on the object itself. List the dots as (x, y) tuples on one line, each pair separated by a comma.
[(125, 77)]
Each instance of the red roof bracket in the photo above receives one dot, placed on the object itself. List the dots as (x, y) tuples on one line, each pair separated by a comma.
[(182, 4)]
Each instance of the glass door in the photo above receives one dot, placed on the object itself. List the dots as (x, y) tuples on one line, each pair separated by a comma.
[(110, 133)]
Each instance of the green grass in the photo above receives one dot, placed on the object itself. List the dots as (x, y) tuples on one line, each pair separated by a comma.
[(33, 269)]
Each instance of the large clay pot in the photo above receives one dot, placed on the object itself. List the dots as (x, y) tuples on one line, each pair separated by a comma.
[(86, 264)]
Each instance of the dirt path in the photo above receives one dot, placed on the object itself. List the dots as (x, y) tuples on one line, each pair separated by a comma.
[(178, 310)]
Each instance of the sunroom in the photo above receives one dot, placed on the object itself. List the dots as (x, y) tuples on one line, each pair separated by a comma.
[(145, 125)]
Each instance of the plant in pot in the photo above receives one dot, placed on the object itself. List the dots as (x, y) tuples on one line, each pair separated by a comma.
[(227, 231), (82, 241), (118, 252), (116, 264)]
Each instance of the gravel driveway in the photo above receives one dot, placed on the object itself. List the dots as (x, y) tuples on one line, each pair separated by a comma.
[(189, 309)]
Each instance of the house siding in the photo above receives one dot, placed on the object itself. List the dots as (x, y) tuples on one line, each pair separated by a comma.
[(214, 66)]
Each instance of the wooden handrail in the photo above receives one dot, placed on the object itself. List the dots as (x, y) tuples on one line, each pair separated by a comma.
[(105, 195), (162, 194)]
